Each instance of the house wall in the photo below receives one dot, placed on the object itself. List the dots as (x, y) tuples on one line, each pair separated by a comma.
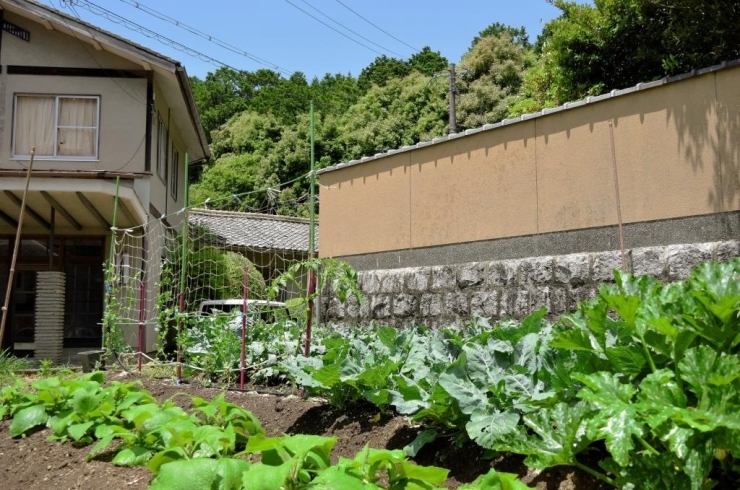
[(677, 165), (161, 196), (122, 100)]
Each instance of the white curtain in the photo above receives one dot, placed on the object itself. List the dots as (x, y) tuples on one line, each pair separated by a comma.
[(34, 125), (78, 123)]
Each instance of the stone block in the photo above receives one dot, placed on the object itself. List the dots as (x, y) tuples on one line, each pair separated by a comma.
[(726, 251), (470, 275), (578, 295), (648, 260), (380, 306), (484, 303), (430, 305), (519, 303), (604, 265), (371, 282), (457, 303), (680, 259), (503, 273), (418, 279), (536, 271), (405, 305), (355, 309), (541, 296), (443, 278), (572, 269), (392, 281)]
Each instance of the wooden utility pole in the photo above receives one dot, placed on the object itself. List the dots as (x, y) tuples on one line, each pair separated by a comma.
[(453, 93), (17, 243)]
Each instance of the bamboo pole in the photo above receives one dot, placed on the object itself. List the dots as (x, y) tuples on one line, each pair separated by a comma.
[(16, 245), (111, 260), (183, 265)]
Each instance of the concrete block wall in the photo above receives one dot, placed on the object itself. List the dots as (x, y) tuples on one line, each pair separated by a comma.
[(440, 295)]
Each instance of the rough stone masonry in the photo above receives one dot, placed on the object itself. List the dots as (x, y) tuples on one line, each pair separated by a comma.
[(440, 295)]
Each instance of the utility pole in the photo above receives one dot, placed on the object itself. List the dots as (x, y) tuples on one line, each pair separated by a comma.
[(452, 75), (453, 93)]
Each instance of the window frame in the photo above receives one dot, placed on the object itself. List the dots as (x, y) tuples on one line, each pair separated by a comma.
[(56, 157), (174, 176)]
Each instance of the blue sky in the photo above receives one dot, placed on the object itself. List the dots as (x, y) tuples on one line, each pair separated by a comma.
[(280, 34)]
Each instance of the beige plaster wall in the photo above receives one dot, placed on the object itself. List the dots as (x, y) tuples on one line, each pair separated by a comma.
[(161, 197), (54, 48), (676, 155), (121, 144), (367, 207)]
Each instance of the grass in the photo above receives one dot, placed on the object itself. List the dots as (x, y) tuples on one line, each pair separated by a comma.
[(10, 365)]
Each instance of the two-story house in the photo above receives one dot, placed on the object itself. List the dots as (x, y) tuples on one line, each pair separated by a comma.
[(95, 107)]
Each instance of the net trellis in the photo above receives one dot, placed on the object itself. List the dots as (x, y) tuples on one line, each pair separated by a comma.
[(148, 286)]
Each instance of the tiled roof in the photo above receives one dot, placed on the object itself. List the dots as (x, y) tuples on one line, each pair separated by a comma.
[(263, 231), (543, 112)]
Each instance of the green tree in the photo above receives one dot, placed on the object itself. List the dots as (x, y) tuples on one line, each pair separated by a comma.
[(428, 62), (381, 70), (518, 35), (402, 112), (613, 44), (496, 67)]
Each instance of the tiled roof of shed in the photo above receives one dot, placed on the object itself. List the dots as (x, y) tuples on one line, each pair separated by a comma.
[(527, 117), (263, 231)]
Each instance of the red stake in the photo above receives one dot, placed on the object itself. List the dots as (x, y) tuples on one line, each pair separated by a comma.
[(179, 336), (311, 291), (245, 294), (142, 319)]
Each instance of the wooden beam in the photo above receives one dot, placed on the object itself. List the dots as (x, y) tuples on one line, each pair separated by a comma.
[(31, 212), (146, 66), (54, 204), (93, 210), (5, 217), (47, 24), (126, 212)]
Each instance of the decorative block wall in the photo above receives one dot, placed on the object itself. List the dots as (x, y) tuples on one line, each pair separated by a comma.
[(49, 334), (440, 295)]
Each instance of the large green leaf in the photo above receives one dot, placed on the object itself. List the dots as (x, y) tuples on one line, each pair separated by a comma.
[(494, 480), (26, 419), (335, 478), (199, 474), (132, 456), (558, 435), (617, 419), (422, 438), (267, 477), (488, 426), (457, 384)]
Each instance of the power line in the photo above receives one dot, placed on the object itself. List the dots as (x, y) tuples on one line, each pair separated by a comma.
[(206, 36), (350, 30), (133, 26), (375, 26), (333, 29)]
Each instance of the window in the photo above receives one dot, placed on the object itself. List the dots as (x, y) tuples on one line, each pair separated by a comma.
[(162, 146), (174, 172), (64, 127)]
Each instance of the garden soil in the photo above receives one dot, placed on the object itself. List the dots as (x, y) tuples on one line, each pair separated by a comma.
[(33, 463)]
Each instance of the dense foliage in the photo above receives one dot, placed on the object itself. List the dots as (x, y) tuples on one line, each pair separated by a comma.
[(650, 371), (258, 121), (200, 449)]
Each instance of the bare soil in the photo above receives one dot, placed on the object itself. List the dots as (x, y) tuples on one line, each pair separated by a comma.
[(33, 463)]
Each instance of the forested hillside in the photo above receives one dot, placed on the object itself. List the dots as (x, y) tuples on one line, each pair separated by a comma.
[(258, 122)]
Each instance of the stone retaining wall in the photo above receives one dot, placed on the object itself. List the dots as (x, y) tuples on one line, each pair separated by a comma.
[(440, 295)]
